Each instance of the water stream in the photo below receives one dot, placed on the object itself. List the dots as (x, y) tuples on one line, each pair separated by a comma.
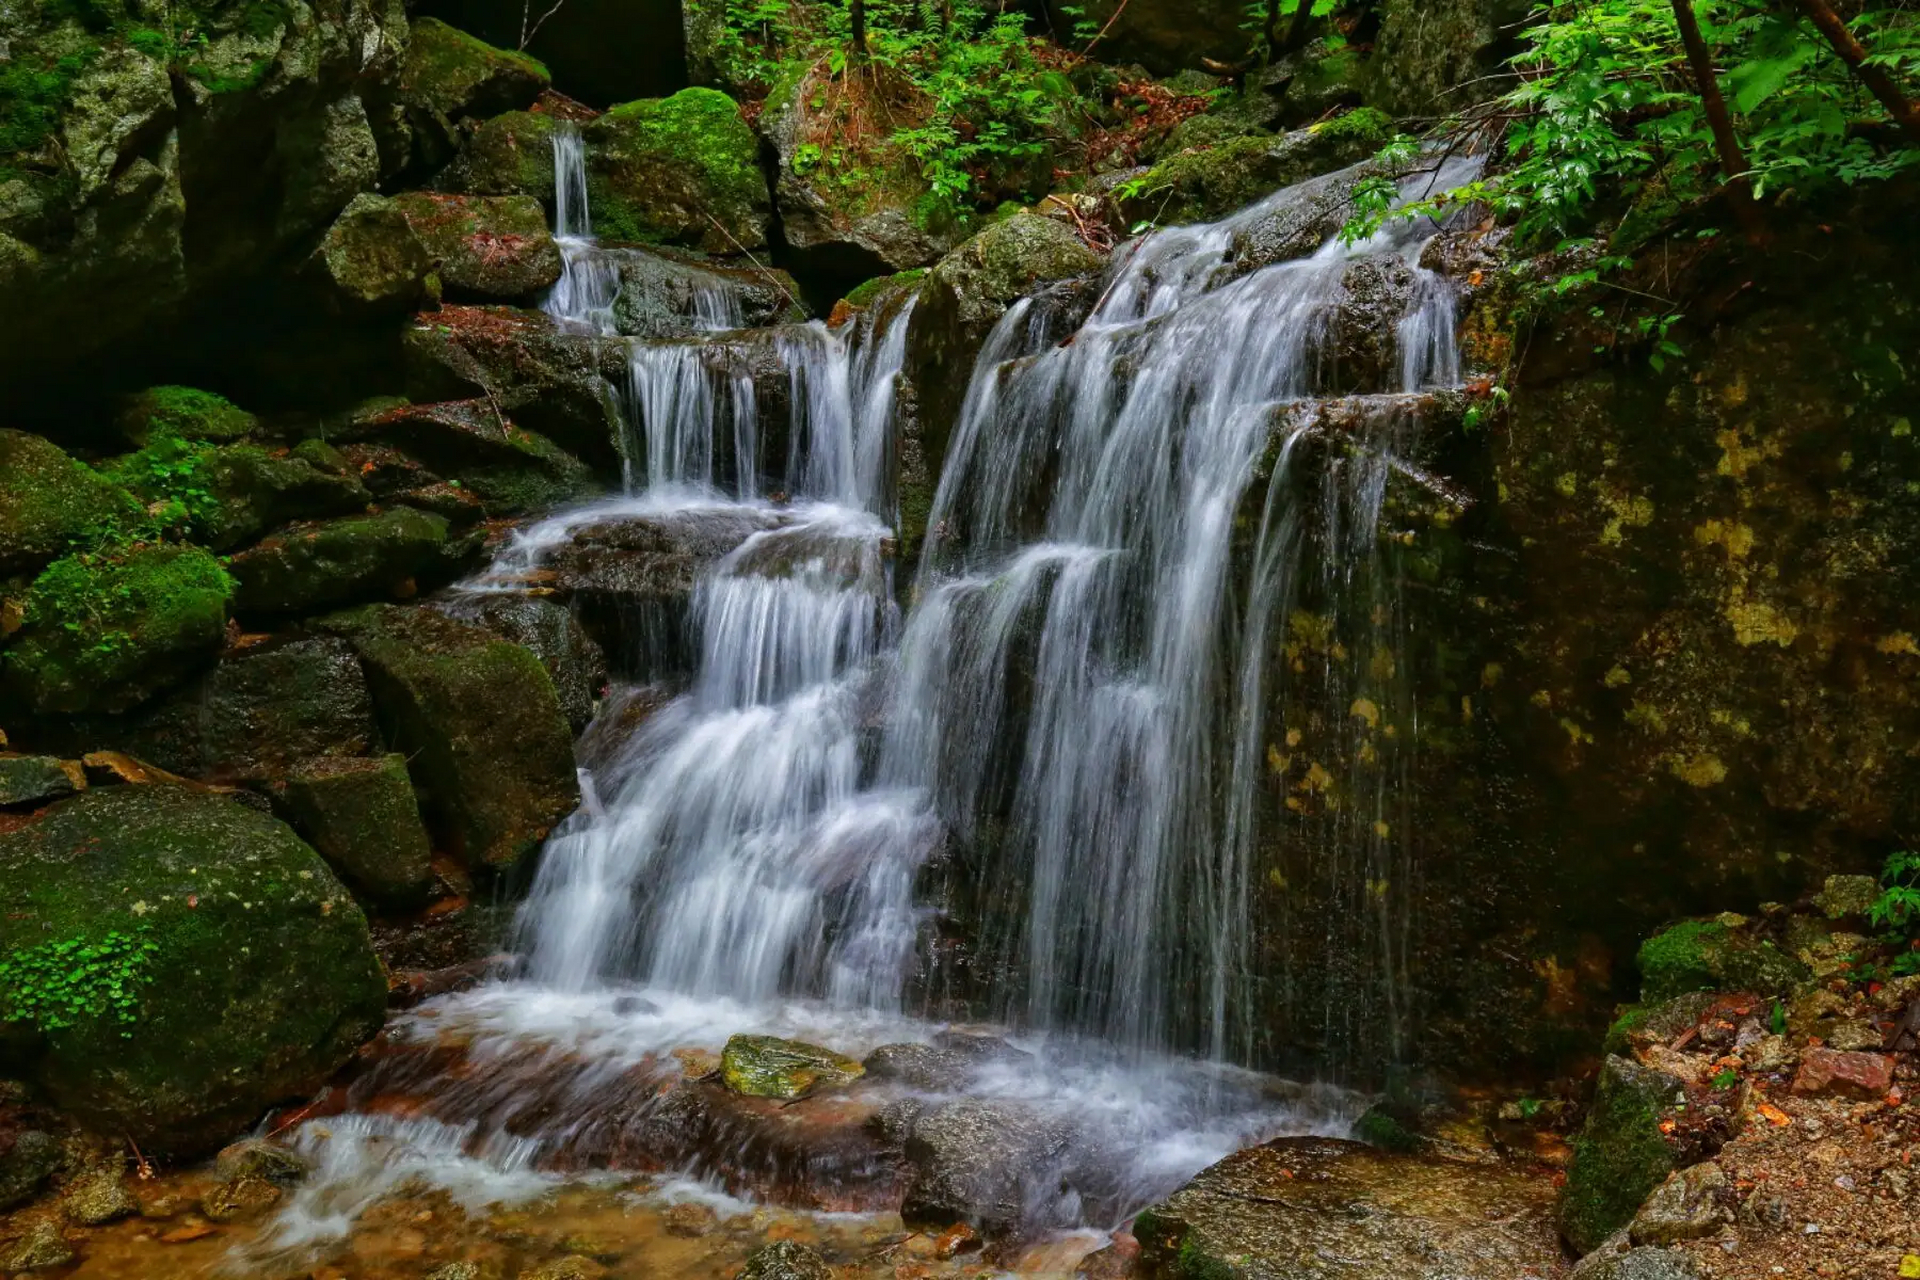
[(1067, 723)]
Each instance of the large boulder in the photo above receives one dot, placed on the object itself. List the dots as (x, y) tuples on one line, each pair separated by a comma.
[(312, 566), (555, 636), (185, 413), (1714, 955), (51, 502), (1317, 1209), (450, 77), (468, 442), (370, 261), (477, 717), (683, 170), (509, 155), (106, 631), (182, 961), (996, 1165), (360, 814), (493, 248)]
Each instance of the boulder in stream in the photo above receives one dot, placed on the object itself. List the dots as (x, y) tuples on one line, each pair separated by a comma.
[(1323, 1209), (182, 961), (995, 1165), (786, 1260), (769, 1067)]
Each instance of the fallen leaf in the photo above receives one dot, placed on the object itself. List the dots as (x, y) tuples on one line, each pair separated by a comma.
[(1774, 1115), (1910, 1267), (181, 1235)]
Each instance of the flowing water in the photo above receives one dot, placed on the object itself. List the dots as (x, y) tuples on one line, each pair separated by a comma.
[(1066, 729)]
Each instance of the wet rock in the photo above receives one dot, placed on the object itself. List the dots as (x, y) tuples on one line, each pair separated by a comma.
[(1713, 955), (1620, 1155), (1320, 1207), (52, 502), (491, 248), (236, 970), (1619, 1262), (43, 1248), (261, 1159), (361, 816), (456, 1271), (995, 1165), (1689, 1205), (226, 495), (681, 170), (786, 1260), (662, 293), (575, 1268), (510, 470), (919, 1066), (544, 378), (1851, 1075), (309, 566), (98, 1197), (1360, 351), (691, 1221), (370, 260), (28, 1159), (239, 1200), (552, 633), (769, 1067), (1205, 186), (1164, 36), (107, 631), (450, 77), (488, 743), (509, 155), (1842, 897), (27, 781)]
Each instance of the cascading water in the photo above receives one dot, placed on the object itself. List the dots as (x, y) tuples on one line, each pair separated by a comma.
[(1071, 712)]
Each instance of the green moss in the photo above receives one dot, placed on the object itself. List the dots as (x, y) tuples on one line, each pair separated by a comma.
[(1362, 124), (184, 412), (1377, 1127), (224, 495), (51, 503), (1197, 186), (58, 985), (1699, 955), (1624, 1026), (1195, 1263), (866, 294), (313, 566), (678, 170), (1620, 1155), (32, 91), (769, 1067), (458, 75), (103, 632)]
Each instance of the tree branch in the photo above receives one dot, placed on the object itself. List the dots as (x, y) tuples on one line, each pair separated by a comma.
[(1733, 161), (1854, 54)]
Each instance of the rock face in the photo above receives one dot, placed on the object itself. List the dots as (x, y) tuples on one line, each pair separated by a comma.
[(106, 632), (786, 1260), (232, 969), (1320, 1209), (489, 745), (551, 632), (509, 155), (683, 170)]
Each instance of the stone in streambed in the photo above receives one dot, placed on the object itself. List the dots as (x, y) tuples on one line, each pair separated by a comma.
[(495, 248), (1867, 1076), (105, 632), (1616, 1261), (260, 1158), (786, 1260), (50, 502), (27, 1159), (1313, 1208), (769, 1067), (232, 970), (43, 1248), (99, 1196), (1692, 1204), (316, 565), (26, 781), (488, 743), (360, 814), (982, 1163)]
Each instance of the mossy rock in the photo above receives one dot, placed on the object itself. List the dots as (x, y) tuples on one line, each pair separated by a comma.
[(107, 631), (488, 743), (26, 781), (495, 248), (1620, 1154), (683, 170), (185, 413), (862, 296), (308, 567), (50, 502), (509, 470), (225, 495), (1204, 186), (228, 969), (361, 815), (509, 155), (370, 260), (450, 76), (1712, 955), (769, 1067)]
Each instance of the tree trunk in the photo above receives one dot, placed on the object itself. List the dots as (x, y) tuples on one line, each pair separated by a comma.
[(857, 10), (1733, 162), (1854, 54), (1297, 33)]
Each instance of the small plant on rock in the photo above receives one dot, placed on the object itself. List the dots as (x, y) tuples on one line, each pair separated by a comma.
[(1897, 910)]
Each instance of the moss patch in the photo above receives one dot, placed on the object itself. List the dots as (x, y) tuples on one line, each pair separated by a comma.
[(681, 170), (1708, 955), (49, 503), (1620, 1154), (184, 413), (769, 1067)]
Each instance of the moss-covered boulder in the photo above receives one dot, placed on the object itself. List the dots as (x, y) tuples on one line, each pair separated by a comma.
[(468, 442), (360, 814), (224, 495), (483, 731), (682, 170), (509, 155), (182, 961), (1714, 955), (370, 260), (550, 630), (312, 566), (106, 631), (450, 76), (1263, 1212), (185, 413), (1620, 1154), (769, 1067), (51, 502), (492, 248), (1205, 185)]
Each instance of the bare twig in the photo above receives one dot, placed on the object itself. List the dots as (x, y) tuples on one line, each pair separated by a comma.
[(1102, 34), (526, 34), (772, 279)]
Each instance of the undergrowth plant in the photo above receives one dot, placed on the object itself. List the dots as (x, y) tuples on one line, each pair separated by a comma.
[(1896, 911), (57, 985)]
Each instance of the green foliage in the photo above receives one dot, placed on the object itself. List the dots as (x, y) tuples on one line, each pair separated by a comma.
[(58, 984), (172, 472), (31, 93), (1897, 911)]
